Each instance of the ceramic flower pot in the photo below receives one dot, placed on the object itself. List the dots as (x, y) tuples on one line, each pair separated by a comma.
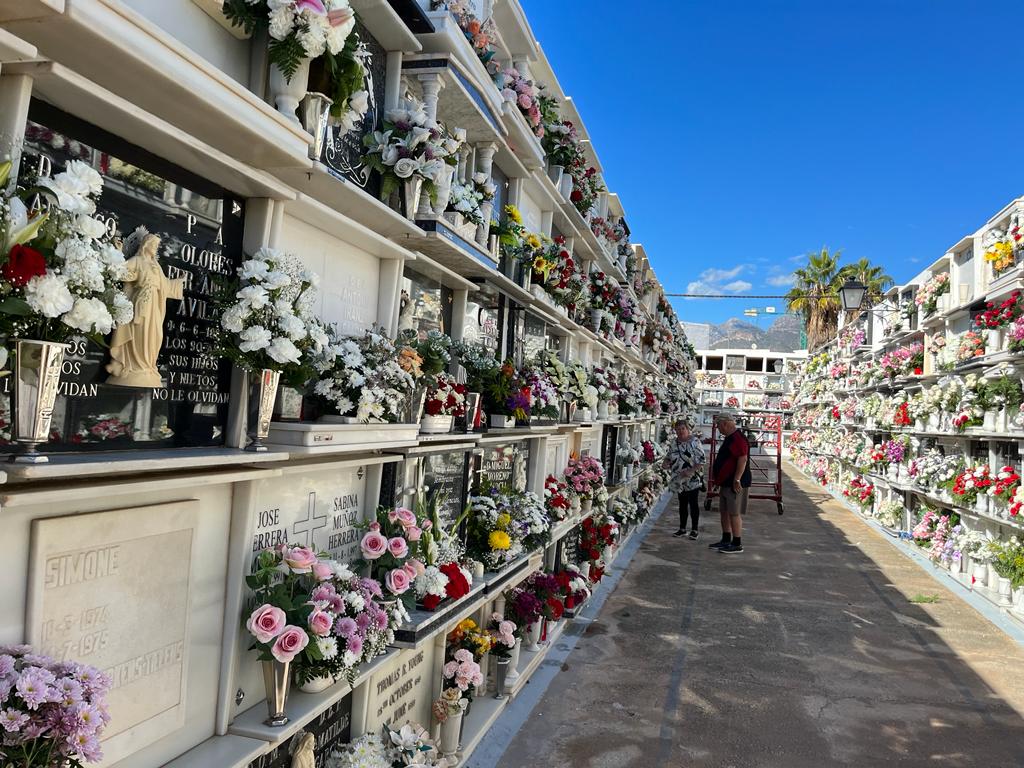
[(317, 684), (436, 425), (555, 174), (596, 316), (277, 678), (533, 635), (449, 741), (565, 187), (287, 93), (37, 369), (1005, 589)]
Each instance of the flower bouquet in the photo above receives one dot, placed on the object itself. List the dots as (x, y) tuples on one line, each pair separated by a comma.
[(890, 514), (545, 398), (440, 552), (969, 483), (970, 346), (574, 585), (445, 400), (480, 34), (507, 397), (366, 382), (927, 297), (434, 349), (495, 538), (584, 477), (503, 636), (580, 389), (408, 746), (529, 98), (597, 536), (556, 498), (1000, 253), (54, 711)]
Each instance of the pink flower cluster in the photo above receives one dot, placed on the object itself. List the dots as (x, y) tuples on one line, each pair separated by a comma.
[(903, 360), (505, 630), (516, 89), (584, 476), (462, 671), (388, 551), (52, 711)]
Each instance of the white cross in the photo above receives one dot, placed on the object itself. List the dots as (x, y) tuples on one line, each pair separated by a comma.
[(307, 524)]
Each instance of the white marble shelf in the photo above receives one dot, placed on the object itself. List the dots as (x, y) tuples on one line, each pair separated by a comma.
[(74, 465), (530, 660), (301, 707), (229, 751), (501, 435)]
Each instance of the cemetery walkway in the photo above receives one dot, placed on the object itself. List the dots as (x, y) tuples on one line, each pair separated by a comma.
[(819, 646)]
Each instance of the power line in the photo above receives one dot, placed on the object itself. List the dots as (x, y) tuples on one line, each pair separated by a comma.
[(726, 296)]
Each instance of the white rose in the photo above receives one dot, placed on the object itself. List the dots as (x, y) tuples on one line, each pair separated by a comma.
[(406, 167), (283, 351), (89, 316), (49, 295), (254, 339)]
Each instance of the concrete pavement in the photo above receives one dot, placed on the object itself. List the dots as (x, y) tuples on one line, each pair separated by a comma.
[(805, 651)]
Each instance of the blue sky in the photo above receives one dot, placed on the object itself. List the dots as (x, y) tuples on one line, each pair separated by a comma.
[(743, 135)]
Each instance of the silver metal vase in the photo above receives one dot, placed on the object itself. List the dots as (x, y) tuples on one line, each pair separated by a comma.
[(262, 394), (37, 369)]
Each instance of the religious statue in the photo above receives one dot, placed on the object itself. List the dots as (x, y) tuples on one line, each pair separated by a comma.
[(302, 750), (406, 312), (134, 347)]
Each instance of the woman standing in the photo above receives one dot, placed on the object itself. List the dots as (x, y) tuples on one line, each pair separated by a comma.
[(685, 462)]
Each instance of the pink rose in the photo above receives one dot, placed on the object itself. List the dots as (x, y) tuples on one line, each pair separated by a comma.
[(322, 571), (398, 547), (525, 102), (266, 623), (418, 565), (397, 581), (289, 644), (410, 570), (406, 517), (299, 559), (320, 623), (413, 533), (374, 526), (393, 515), (427, 525), (373, 545)]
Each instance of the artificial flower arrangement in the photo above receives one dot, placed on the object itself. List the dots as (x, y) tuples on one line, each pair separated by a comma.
[(546, 587), (445, 397), (409, 745), (479, 362), (579, 386), (298, 30), (598, 532), (510, 232), (301, 614), (468, 635), (993, 317), (369, 380), (495, 537), (461, 673), (972, 481), (503, 635), (927, 297), (1015, 336), (586, 185), (970, 346), (1004, 484), (544, 396), (651, 404), (851, 337), (1000, 253), (574, 585), (1009, 561), (442, 577), (860, 491), (603, 380), (469, 198), (652, 452), (523, 607), (933, 531), (890, 514), (480, 34), (584, 477), (732, 402), (625, 511), (506, 393), (434, 349), (556, 498), (269, 321), (61, 274), (903, 361), (409, 147), (629, 393), (53, 712), (528, 97), (556, 371)]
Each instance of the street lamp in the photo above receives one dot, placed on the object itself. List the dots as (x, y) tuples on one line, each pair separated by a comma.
[(852, 295)]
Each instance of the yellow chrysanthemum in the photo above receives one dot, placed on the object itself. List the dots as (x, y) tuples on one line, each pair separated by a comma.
[(499, 540), (466, 625), (513, 213), (504, 519)]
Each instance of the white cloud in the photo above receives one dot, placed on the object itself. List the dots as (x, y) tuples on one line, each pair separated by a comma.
[(781, 281), (719, 281), (738, 286)]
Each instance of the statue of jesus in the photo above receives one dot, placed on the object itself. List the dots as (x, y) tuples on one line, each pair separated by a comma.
[(135, 347)]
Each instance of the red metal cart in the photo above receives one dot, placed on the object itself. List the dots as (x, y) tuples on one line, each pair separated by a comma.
[(764, 433)]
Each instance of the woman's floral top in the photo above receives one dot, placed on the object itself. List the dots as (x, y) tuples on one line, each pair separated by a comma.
[(683, 456)]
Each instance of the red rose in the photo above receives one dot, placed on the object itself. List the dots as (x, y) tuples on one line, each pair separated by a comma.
[(576, 196), (433, 407), (557, 609), (23, 263), (570, 602)]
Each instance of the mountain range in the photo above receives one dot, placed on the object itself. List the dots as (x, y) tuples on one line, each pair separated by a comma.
[(783, 335)]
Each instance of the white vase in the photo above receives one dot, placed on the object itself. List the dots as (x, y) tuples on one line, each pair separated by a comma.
[(450, 731), (533, 634), (586, 505), (478, 570), (628, 330), (444, 190), (485, 668), (992, 582), (436, 425), (994, 342), (317, 684), (502, 422), (596, 316), (513, 668), (286, 93), (608, 554), (412, 188), (602, 409), (954, 567), (981, 504), (1005, 589), (555, 174), (565, 186)]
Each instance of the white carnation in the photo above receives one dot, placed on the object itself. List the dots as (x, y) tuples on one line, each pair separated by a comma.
[(123, 309), (89, 227), (281, 22), (292, 327), (254, 296), (276, 279), (254, 339), (89, 316), (84, 175), (253, 269), (233, 319), (49, 295), (283, 350)]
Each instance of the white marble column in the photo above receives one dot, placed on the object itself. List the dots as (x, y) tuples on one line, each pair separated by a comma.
[(432, 84), (485, 152), (15, 93), (393, 80)]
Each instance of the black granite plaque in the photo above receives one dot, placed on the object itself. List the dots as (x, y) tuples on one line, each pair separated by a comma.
[(332, 729), (569, 548), (200, 227), (343, 149), (445, 475), (504, 465)]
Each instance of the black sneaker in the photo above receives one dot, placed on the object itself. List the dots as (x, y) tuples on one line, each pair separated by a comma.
[(679, 533), (719, 545), (694, 535), (731, 549)]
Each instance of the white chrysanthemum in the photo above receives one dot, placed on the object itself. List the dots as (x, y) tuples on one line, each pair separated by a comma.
[(328, 647), (49, 295)]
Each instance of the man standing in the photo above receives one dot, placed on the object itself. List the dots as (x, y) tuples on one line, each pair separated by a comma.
[(731, 473)]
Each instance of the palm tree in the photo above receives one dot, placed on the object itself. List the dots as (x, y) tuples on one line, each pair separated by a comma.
[(815, 295)]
